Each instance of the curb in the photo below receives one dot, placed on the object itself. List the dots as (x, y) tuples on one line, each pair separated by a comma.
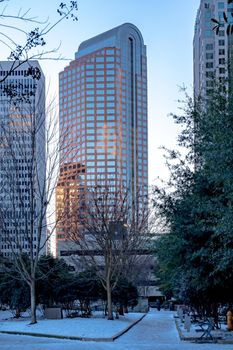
[(109, 339), (118, 335), (198, 340)]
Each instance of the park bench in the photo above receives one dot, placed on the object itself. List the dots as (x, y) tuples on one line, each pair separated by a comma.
[(206, 327)]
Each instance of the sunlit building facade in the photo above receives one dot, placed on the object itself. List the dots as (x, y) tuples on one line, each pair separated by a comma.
[(103, 105), (70, 199)]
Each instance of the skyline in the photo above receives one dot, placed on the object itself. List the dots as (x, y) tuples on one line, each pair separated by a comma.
[(81, 230), (169, 59)]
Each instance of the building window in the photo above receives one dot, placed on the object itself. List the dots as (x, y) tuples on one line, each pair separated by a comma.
[(221, 42), (221, 70), (209, 56), (110, 59), (209, 65), (99, 59), (221, 33), (220, 5), (110, 52), (208, 33), (209, 83), (209, 46), (220, 16)]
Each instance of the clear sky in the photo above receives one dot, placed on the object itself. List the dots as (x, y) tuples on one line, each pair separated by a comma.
[(167, 28)]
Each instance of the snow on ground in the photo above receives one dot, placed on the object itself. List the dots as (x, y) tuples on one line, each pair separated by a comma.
[(93, 327), (7, 314), (157, 331)]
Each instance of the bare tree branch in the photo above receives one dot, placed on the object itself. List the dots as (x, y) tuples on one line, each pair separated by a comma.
[(33, 39), (109, 234)]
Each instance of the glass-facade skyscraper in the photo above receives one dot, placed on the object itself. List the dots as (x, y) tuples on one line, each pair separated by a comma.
[(22, 158), (103, 107)]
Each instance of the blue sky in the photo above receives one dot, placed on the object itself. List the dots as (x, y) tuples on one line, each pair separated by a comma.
[(167, 28)]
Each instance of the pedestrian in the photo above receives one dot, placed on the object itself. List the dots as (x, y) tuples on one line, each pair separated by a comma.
[(158, 304)]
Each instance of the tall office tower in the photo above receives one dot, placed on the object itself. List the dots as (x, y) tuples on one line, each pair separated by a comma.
[(210, 51), (103, 105), (22, 157)]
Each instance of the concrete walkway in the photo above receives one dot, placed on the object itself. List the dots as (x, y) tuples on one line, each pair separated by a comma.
[(157, 331)]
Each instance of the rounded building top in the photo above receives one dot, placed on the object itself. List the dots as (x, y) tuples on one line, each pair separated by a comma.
[(112, 38)]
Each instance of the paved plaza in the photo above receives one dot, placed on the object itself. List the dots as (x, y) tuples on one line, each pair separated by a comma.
[(157, 331)]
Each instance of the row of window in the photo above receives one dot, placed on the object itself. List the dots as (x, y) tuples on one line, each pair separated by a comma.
[(78, 83), (79, 77), (107, 176), (99, 61), (3, 73), (113, 163)]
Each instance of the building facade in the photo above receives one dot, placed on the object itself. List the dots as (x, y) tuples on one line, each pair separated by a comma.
[(22, 157), (103, 107), (210, 51), (70, 199)]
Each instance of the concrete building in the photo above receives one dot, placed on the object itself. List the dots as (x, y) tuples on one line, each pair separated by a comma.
[(22, 156), (210, 51)]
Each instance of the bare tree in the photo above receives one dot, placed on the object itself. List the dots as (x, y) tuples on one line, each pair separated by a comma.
[(111, 236), (32, 45), (30, 150), (29, 144)]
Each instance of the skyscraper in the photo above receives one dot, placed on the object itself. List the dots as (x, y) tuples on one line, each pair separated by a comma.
[(103, 106), (210, 51), (22, 157)]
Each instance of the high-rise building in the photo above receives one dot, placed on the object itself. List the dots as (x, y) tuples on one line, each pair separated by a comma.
[(210, 51), (22, 157), (103, 107)]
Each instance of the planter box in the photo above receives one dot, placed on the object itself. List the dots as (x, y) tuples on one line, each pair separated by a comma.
[(53, 313)]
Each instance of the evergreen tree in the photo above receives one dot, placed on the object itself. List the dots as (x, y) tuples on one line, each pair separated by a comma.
[(196, 256)]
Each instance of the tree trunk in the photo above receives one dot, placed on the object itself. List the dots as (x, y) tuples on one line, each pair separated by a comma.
[(33, 301), (121, 310), (109, 299), (17, 313)]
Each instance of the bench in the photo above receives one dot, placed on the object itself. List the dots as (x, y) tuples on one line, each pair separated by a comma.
[(206, 327)]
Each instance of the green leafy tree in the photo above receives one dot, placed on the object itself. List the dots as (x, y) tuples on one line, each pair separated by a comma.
[(195, 256), (53, 281), (125, 295), (14, 291), (89, 289)]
